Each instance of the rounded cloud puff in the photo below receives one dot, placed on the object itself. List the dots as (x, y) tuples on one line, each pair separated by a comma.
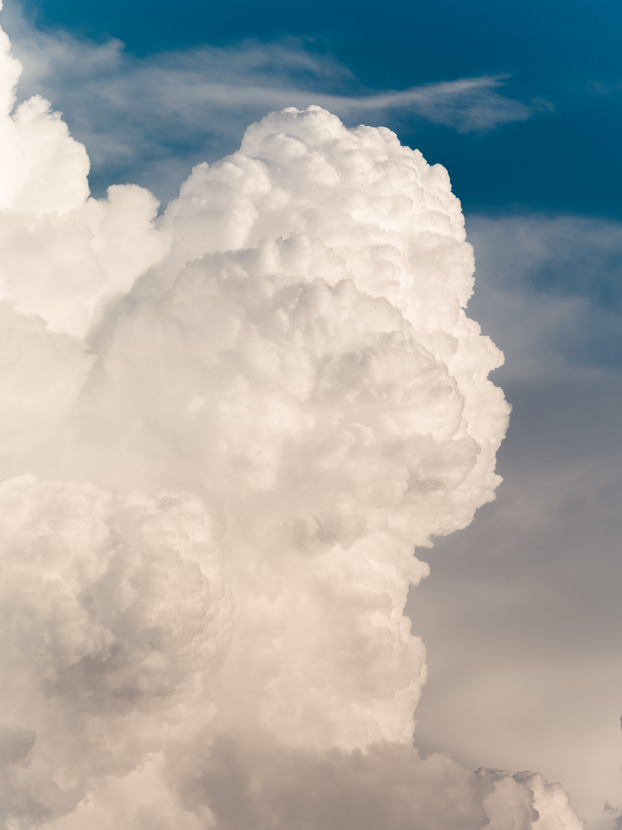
[(114, 615), (228, 428), (63, 253)]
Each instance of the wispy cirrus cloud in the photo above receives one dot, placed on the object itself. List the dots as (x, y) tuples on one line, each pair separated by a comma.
[(466, 104), (157, 115)]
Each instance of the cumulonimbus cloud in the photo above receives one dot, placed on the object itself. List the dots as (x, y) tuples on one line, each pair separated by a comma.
[(226, 429)]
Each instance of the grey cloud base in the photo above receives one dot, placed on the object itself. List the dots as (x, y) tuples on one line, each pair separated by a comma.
[(228, 427), (248, 781)]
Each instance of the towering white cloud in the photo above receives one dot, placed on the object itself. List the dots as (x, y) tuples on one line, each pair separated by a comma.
[(223, 431), (62, 253)]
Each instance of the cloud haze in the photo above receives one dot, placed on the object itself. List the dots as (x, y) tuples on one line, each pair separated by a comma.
[(228, 428)]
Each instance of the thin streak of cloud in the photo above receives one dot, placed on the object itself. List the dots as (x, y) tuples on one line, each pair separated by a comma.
[(467, 104)]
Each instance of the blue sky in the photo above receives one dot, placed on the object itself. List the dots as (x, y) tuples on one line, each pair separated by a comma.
[(563, 59), (530, 130)]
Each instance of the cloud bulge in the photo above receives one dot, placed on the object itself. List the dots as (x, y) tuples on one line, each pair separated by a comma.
[(226, 428)]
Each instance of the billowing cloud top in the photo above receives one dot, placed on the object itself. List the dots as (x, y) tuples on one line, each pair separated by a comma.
[(223, 431)]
